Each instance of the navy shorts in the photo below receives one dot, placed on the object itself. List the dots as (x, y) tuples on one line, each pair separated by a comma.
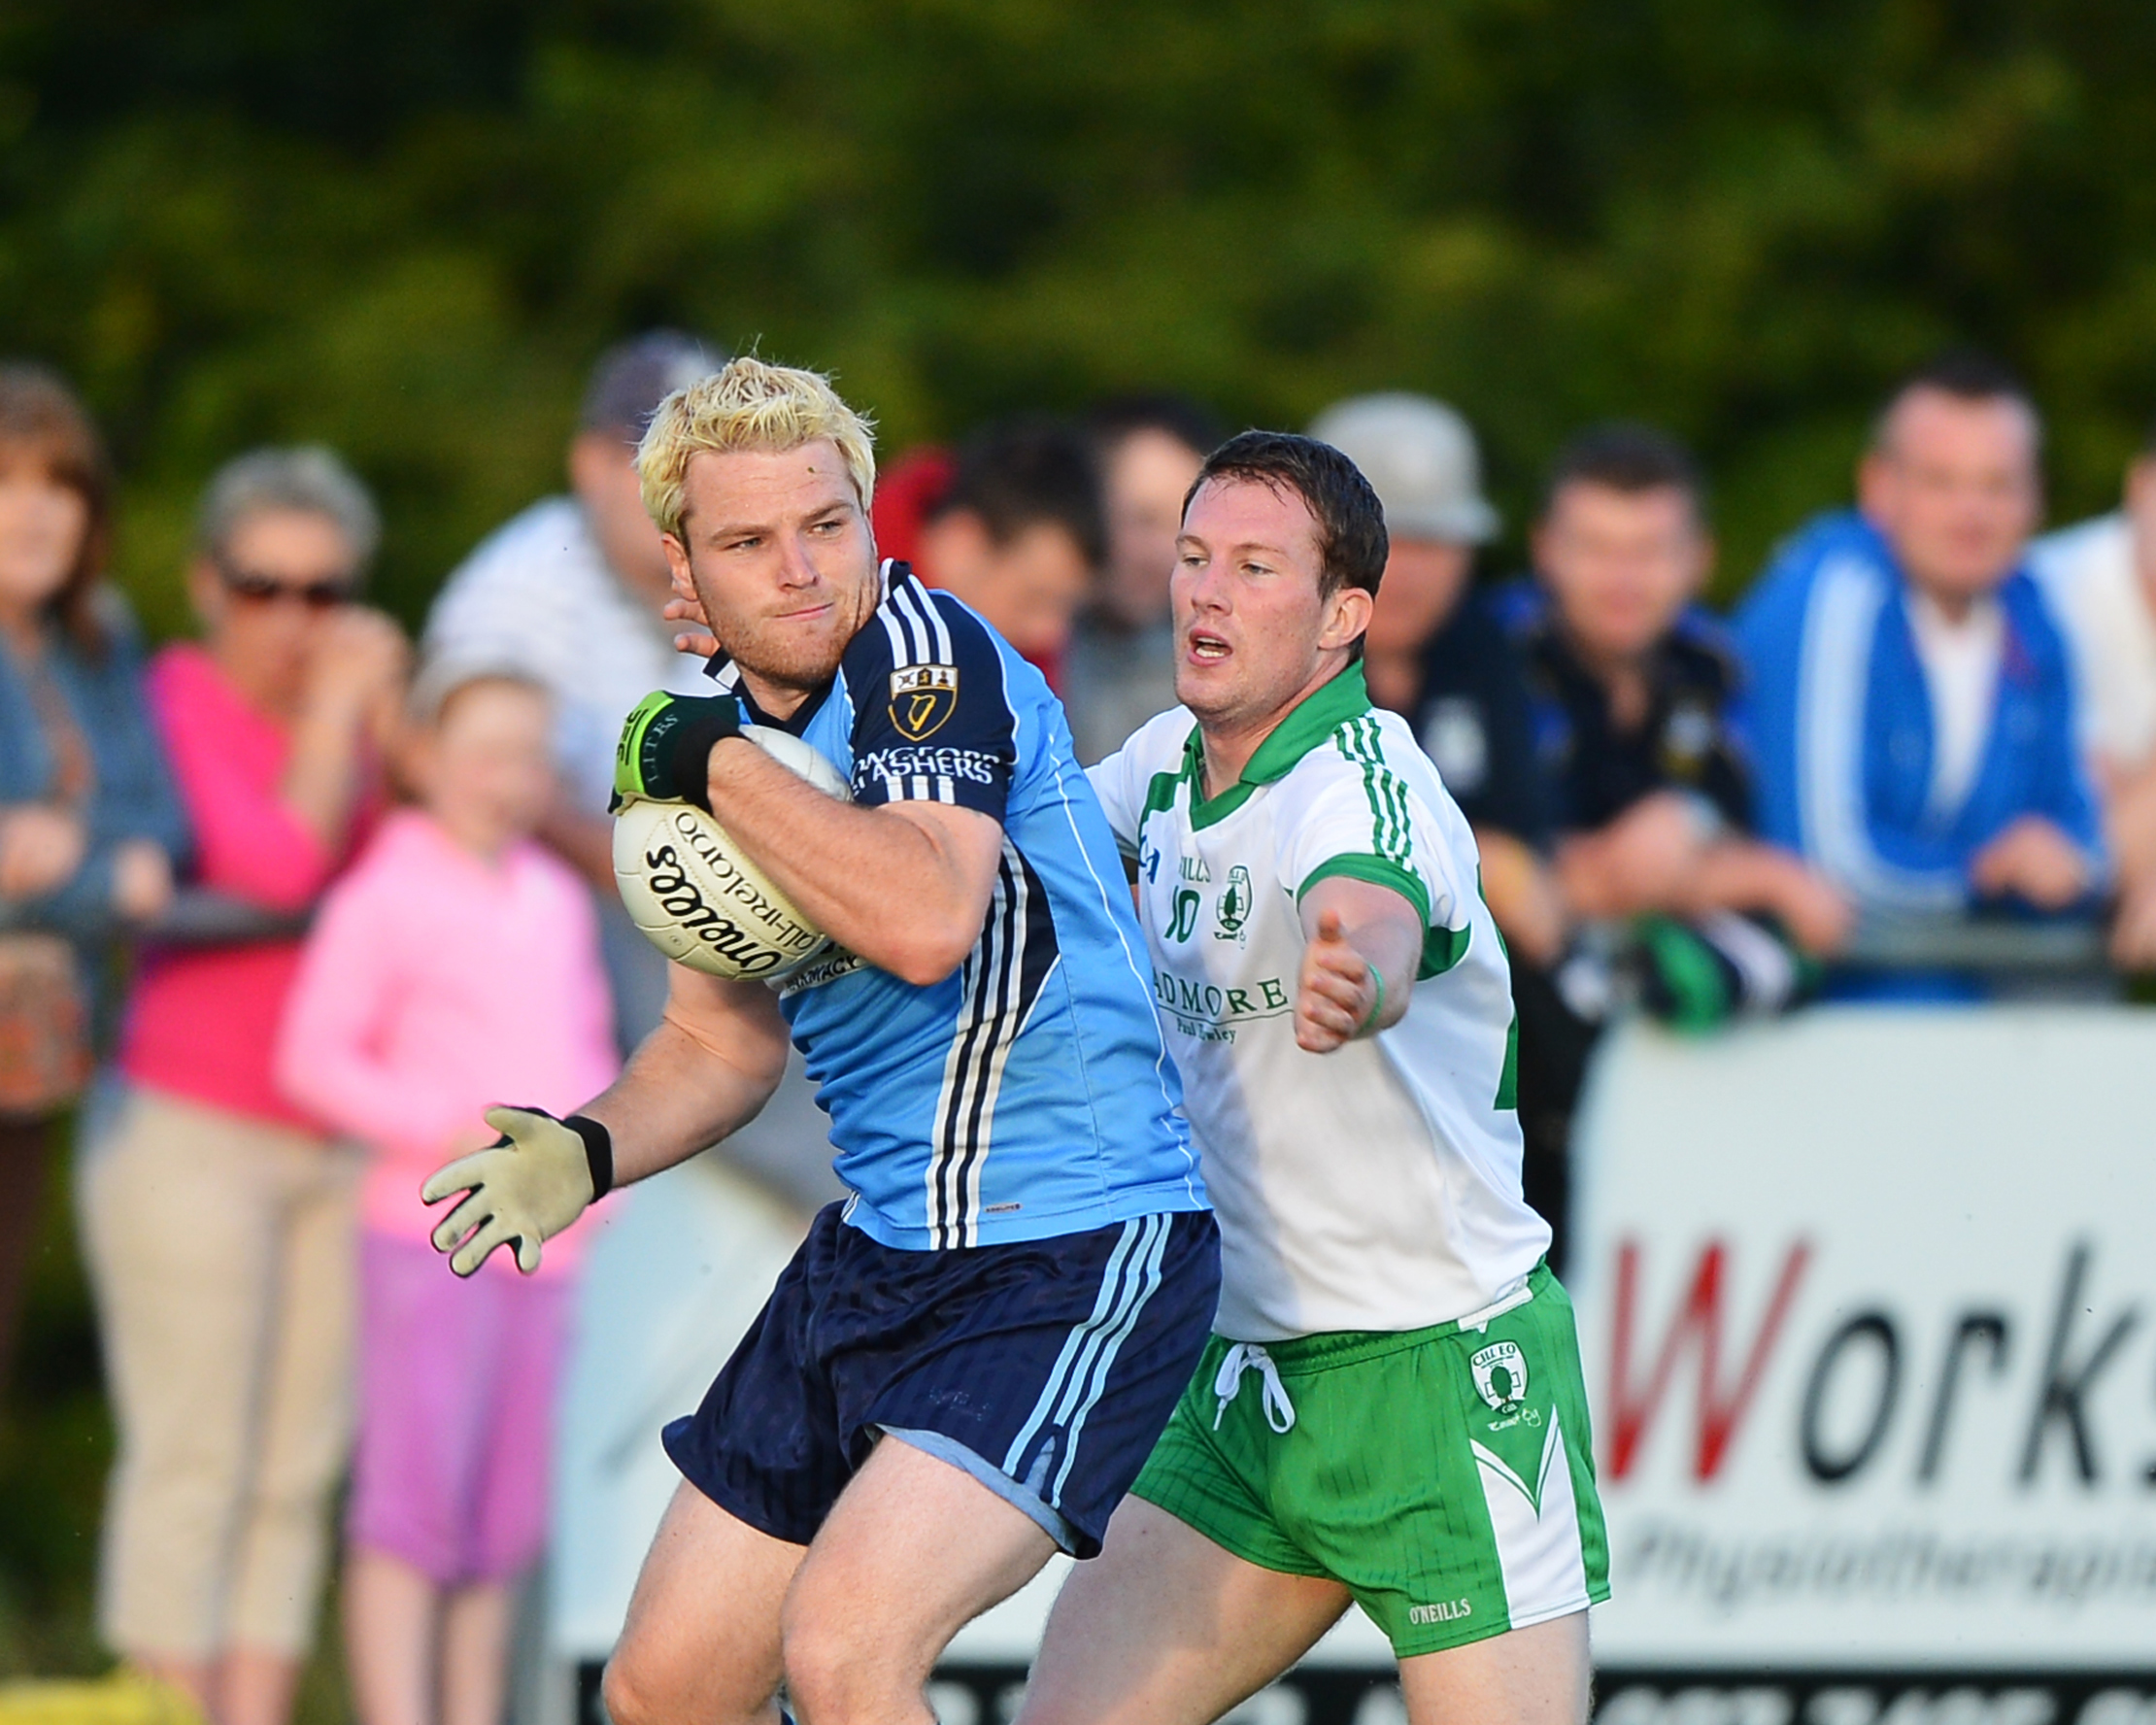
[(1045, 1369)]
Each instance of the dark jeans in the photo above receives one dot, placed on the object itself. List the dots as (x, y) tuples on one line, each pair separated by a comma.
[(24, 1149), (1555, 1044)]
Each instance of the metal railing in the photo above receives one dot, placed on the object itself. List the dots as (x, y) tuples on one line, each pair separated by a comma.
[(200, 917), (2022, 957)]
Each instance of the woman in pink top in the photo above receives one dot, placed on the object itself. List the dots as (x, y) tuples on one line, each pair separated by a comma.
[(455, 967), (216, 1218)]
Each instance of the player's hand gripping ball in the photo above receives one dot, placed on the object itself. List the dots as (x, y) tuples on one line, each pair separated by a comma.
[(694, 893)]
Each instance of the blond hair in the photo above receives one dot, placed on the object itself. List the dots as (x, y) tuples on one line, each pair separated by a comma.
[(749, 405)]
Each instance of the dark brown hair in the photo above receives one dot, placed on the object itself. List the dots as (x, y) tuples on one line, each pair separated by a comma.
[(1028, 472), (1352, 542), (1628, 458), (42, 421), (1967, 375)]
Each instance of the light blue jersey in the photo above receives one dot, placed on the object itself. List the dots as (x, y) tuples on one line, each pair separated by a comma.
[(1029, 1093)]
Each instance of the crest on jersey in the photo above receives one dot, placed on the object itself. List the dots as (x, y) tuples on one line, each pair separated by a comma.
[(922, 698), (1234, 908)]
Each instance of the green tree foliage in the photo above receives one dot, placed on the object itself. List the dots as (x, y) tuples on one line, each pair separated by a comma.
[(404, 226)]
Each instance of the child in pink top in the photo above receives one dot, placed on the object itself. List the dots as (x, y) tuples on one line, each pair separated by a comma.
[(456, 966)]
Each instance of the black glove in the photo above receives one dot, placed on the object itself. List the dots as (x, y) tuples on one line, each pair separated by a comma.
[(666, 750)]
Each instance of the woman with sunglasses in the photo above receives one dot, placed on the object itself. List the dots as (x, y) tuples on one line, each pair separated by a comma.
[(220, 1221), (88, 823)]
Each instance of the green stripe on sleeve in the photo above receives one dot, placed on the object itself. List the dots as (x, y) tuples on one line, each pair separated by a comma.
[(1442, 948), (1379, 871), (1395, 797), (1360, 741)]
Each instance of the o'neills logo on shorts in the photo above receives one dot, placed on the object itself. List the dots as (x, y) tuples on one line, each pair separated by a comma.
[(1443, 1612)]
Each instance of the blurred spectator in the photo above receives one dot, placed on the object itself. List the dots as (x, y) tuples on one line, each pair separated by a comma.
[(1120, 669), (1912, 699), (570, 591), (2100, 579), (89, 823), (456, 967), (1435, 654), (907, 492), (216, 1218), (1633, 693), (1019, 533)]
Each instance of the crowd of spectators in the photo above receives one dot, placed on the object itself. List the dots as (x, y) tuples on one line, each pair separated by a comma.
[(284, 906), (216, 1213)]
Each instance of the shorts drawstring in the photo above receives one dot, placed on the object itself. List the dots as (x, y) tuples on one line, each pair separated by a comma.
[(1280, 1412)]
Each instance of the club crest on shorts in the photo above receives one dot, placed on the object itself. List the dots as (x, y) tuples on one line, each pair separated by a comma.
[(1500, 1376), (922, 698)]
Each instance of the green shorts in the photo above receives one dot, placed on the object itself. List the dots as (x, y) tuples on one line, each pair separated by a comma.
[(1444, 1476)]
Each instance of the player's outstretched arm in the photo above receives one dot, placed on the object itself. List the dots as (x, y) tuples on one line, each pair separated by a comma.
[(701, 1077), (703, 1074), (1365, 944)]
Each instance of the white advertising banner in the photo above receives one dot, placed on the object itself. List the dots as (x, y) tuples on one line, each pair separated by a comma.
[(1867, 1300)]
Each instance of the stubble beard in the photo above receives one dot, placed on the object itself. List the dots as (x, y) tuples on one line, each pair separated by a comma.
[(764, 650)]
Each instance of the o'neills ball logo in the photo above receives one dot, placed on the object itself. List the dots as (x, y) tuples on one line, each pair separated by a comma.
[(710, 899), (749, 900)]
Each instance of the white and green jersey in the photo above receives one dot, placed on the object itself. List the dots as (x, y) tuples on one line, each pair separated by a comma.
[(1376, 1187)]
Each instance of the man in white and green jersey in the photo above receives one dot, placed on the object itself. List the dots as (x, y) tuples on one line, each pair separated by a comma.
[(1392, 1409)]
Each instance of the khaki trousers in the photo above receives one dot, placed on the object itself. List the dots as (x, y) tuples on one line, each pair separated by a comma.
[(221, 1252)]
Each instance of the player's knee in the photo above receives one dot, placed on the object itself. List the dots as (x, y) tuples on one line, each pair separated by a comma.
[(822, 1675), (835, 1672), (627, 1693), (1051, 1703)]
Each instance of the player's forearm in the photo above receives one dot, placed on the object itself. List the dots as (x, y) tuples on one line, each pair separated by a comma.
[(892, 891), (679, 1095), (1745, 875), (1384, 934), (1395, 954)]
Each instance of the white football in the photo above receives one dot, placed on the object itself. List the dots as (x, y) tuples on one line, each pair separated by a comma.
[(697, 896)]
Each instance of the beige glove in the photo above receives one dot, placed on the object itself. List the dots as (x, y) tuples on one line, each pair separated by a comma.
[(541, 1177)]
